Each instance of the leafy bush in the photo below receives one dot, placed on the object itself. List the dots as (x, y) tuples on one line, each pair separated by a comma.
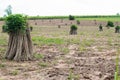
[(15, 23), (71, 17), (117, 29), (73, 30), (73, 27), (4, 28), (110, 24), (1, 18), (78, 22)]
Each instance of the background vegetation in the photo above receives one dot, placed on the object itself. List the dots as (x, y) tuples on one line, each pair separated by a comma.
[(87, 17)]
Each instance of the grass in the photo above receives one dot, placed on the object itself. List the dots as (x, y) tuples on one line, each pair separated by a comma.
[(3, 41), (47, 41), (65, 50), (73, 41), (2, 65), (15, 72), (2, 49), (100, 49), (87, 17), (72, 76), (38, 56), (82, 48), (110, 42), (2, 79), (116, 76), (43, 64), (86, 43), (102, 19)]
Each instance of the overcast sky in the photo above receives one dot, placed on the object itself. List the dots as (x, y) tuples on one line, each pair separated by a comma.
[(61, 7)]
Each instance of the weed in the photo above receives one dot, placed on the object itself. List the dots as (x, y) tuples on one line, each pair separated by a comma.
[(3, 41), (73, 76), (65, 50), (100, 49), (39, 56), (15, 72), (97, 35), (70, 77), (87, 42), (74, 41), (43, 64), (116, 76), (110, 42), (82, 33), (2, 65), (82, 48)]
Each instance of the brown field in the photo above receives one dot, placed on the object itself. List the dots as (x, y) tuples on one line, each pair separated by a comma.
[(90, 55)]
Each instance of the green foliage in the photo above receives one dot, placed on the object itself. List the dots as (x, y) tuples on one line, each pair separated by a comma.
[(15, 23), (87, 17), (118, 27), (110, 24), (1, 18), (73, 27), (4, 28), (99, 18), (47, 17), (71, 17)]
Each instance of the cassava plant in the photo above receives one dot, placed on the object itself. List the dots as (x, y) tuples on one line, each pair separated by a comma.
[(78, 22), (20, 43), (73, 30), (117, 29), (110, 24)]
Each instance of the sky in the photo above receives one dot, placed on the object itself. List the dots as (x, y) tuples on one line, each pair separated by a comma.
[(61, 7)]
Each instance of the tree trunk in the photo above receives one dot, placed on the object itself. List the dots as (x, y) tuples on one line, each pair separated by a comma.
[(73, 32), (19, 46)]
